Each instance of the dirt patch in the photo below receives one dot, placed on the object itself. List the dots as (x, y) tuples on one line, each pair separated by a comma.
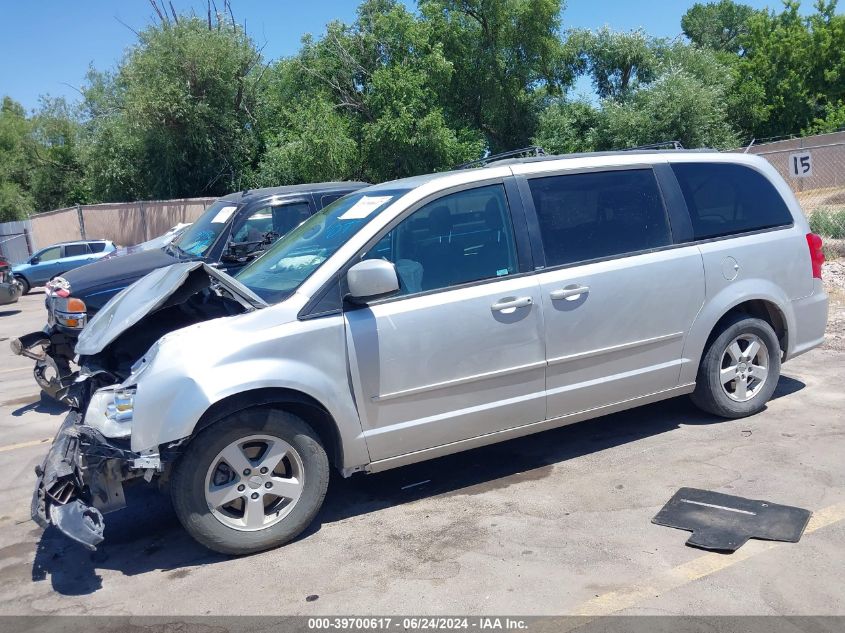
[(534, 474)]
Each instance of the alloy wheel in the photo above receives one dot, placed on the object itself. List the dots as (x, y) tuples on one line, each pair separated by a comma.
[(744, 367), (254, 482)]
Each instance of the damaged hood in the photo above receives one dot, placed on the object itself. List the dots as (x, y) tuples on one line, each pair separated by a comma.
[(116, 271), (146, 295)]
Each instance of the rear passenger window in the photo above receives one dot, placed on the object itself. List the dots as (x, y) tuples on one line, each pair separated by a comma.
[(724, 199), (599, 214), (97, 247), (74, 250), (461, 237)]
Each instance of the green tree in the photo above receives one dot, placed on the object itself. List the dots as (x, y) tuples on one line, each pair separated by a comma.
[(677, 106), (313, 145), (744, 102), (720, 26), (833, 120), (569, 126), (15, 168), (617, 61), (507, 58), (384, 75), (177, 118), (796, 62), (651, 91), (57, 171)]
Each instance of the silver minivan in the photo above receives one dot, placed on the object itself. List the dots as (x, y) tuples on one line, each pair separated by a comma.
[(431, 315)]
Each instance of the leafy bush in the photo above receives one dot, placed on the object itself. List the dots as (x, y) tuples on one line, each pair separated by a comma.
[(829, 222)]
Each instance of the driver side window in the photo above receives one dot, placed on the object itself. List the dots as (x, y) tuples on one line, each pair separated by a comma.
[(279, 220), (49, 254), (255, 226), (461, 237)]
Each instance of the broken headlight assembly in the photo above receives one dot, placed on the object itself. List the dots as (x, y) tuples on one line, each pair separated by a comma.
[(110, 411), (111, 408)]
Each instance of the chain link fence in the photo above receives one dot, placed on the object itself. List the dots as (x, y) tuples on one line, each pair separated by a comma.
[(15, 241), (814, 167)]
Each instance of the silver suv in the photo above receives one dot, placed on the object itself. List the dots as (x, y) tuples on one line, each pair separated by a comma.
[(431, 315)]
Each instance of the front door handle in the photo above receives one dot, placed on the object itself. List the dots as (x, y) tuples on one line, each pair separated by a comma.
[(570, 292), (511, 304)]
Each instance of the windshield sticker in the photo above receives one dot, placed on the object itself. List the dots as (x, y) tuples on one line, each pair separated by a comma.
[(300, 262), (364, 207), (224, 214)]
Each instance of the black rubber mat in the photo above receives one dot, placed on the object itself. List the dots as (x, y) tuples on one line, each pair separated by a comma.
[(724, 522)]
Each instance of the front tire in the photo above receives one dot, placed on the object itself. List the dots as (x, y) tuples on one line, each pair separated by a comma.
[(24, 284), (250, 482), (739, 370)]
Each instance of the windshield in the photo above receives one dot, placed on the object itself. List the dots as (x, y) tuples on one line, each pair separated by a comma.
[(201, 235), (277, 273)]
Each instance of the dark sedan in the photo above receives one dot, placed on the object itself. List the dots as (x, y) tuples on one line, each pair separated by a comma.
[(230, 233)]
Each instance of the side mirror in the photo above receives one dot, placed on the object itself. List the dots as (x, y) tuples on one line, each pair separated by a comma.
[(34, 260), (371, 279)]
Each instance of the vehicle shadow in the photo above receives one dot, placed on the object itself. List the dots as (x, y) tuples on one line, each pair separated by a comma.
[(146, 536), (9, 312), (43, 404)]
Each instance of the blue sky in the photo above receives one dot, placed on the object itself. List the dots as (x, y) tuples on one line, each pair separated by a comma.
[(46, 46)]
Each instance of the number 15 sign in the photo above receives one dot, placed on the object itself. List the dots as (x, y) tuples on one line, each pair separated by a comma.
[(800, 165)]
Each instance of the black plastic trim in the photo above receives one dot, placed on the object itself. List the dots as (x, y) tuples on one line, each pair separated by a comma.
[(522, 240), (675, 203), (533, 224)]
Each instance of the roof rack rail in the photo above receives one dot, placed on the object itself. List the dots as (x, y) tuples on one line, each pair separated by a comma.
[(663, 145), (533, 150)]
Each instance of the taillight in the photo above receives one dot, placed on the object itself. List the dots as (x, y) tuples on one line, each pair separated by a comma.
[(814, 242)]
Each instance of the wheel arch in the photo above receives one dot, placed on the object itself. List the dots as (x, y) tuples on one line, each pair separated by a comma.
[(24, 277), (762, 309), (291, 400), (754, 297)]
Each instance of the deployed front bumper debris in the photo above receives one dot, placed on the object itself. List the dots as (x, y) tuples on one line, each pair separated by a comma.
[(51, 351), (80, 480)]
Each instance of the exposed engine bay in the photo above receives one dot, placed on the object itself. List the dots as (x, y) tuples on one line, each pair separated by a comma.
[(83, 474)]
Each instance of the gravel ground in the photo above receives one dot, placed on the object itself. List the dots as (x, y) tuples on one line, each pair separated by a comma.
[(833, 274)]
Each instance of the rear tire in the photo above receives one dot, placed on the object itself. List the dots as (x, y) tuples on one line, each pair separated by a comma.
[(24, 283), (740, 369), (235, 495)]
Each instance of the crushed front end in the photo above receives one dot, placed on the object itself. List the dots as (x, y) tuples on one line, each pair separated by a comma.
[(83, 474), (80, 480), (91, 458)]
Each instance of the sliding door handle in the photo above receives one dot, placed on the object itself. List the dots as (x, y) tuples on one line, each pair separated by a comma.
[(570, 292), (511, 304)]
